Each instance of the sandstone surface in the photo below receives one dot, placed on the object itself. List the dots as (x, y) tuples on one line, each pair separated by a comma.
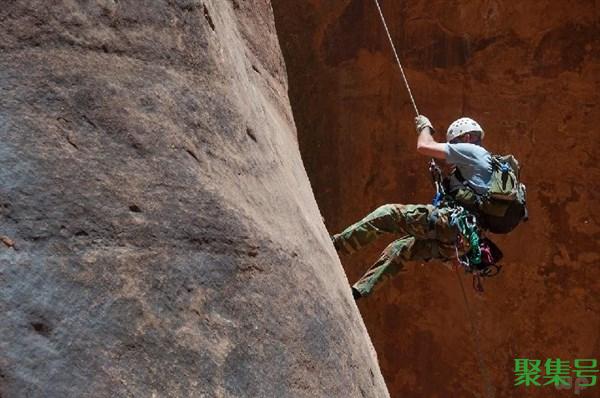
[(159, 234)]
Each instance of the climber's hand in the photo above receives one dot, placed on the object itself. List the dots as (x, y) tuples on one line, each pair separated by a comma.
[(421, 122), (426, 144)]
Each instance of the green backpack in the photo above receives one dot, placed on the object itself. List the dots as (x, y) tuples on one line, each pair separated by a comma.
[(503, 207)]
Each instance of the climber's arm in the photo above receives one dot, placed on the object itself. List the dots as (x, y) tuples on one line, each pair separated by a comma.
[(427, 146)]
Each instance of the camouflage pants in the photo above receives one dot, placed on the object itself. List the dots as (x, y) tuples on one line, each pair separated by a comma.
[(426, 234)]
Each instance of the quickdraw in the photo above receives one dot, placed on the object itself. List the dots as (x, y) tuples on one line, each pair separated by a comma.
[(466, 223), (437, 177)]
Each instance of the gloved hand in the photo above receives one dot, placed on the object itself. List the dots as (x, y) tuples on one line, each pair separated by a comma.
[(421, 122)]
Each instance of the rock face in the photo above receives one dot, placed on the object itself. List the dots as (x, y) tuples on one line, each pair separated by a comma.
[(529, 72), (160, 236)]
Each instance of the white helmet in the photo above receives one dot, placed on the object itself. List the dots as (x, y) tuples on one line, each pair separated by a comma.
[(462, 126)]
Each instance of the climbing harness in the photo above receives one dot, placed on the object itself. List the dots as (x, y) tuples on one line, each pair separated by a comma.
[(489, 391), (482, 255)]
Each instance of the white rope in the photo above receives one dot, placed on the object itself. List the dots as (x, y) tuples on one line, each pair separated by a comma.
[(397, 58)]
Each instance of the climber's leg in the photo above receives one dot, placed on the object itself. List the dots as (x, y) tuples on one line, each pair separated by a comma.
[(385, 219), (420, 221), (392, 260)]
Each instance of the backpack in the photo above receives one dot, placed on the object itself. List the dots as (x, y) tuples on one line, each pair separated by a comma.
[(500, 209)]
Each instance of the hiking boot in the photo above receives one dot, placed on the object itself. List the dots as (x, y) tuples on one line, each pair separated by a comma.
[(336, 244)]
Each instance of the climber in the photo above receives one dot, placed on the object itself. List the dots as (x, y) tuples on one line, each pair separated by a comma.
[(427, 231)]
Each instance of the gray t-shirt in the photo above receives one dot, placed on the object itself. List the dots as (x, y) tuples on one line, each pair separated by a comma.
[(474, 163)]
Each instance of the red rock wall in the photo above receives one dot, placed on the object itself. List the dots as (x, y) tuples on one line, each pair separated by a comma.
[(529, 72), (160, 237)]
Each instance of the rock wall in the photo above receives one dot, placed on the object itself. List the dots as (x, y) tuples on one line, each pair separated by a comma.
[(160, 236), (529, 72)]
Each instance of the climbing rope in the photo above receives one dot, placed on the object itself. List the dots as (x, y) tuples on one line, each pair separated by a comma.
[(489, 390), (397, 58)]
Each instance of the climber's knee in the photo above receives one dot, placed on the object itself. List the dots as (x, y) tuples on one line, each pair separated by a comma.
[(400, 249), (386, 217)]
